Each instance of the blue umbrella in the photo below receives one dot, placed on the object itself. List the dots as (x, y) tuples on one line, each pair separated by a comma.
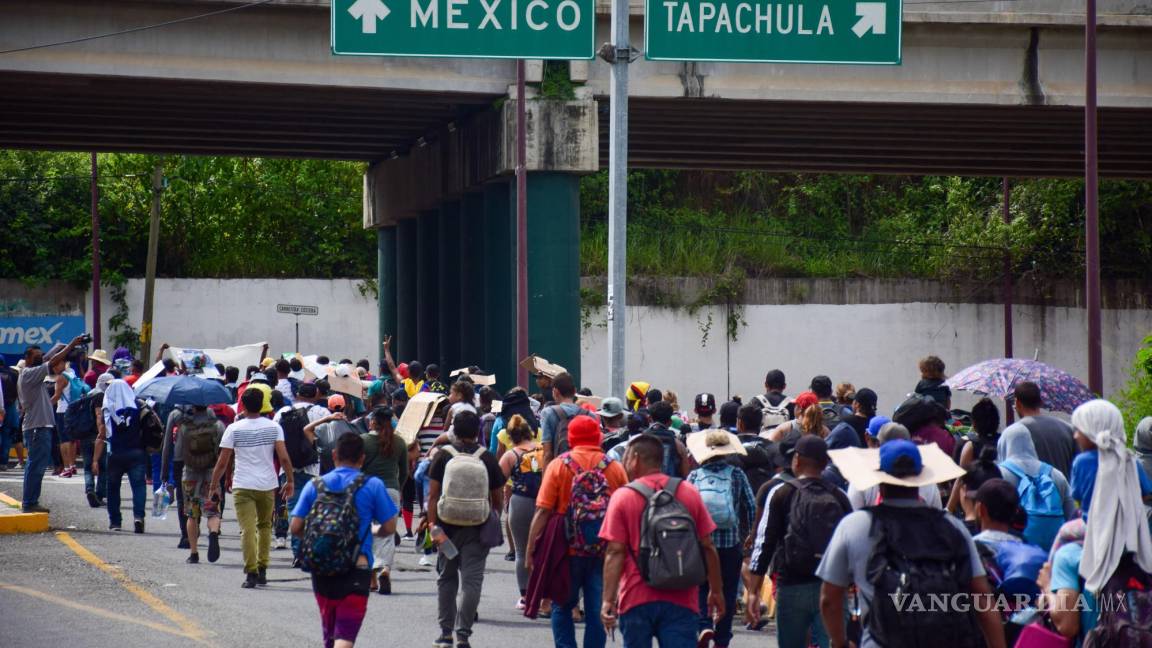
[(184, 390)]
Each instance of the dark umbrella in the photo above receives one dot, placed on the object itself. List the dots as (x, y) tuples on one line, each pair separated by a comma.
[(184, 390), (1061, 391)]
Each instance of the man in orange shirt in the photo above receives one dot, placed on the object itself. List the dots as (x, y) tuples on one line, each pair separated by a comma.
[(578, 484)]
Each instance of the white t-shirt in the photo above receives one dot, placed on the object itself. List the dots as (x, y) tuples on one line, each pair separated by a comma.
[(254, 441), (929, 494)]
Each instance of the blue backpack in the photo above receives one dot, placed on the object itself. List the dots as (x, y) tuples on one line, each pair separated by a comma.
[(1040, 498), (716, 491), (77, 388)]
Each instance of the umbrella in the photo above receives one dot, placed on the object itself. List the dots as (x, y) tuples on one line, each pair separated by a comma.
[(184, 390), (1060, 390)]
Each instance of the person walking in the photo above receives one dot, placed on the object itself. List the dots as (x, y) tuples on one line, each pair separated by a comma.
[(1045, 494), (386, 458), (342, 591), (192, 447), (1052, 437), (522, 466), (253, 441), (578, 485), (465, 488), (39, 418), (730, 501), (643, 600), (557, 418), (121, 429)]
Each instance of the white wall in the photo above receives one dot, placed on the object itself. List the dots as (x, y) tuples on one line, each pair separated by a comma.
[(869, 345), (215, 313)]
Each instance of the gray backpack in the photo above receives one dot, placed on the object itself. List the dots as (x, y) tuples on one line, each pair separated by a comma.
[(670, 556), (464, 500)]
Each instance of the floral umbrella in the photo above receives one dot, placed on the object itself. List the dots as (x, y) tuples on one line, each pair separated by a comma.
[(1061, 391)]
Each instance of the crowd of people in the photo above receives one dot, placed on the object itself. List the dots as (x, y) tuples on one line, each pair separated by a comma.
[(843, 526)]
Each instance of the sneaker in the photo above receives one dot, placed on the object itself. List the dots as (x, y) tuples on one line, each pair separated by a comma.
[(280, 543), (93, 501), (521, 605), (138, 526), (183, 544), (462, 642), (510, 556), (193, 559), (444, 641), (427, 561), (249, 581), (68, 472), (296, 564), (704, 639), (262, 576), (114, 527), (213, 547), (35, 508), (385, 586)]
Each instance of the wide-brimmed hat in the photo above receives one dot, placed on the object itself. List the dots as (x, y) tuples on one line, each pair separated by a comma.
[(706, 444), (611, 407), (928, 465), (101, 356)]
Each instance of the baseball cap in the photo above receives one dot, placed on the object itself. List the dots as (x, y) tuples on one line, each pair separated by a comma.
[(705, 403), (258, 377), (875, 424), (611, 407), (336, 401), (1000, 498), (867, 398), (900, 458), (811, 446)]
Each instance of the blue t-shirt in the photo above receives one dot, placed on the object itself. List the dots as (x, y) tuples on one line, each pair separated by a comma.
[(1084, 468), (1066, 575), (550, 420), (373, 503)]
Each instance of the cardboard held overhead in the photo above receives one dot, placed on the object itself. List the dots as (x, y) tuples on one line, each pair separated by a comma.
[(477, 378), (417, 413), (343, 381), (596, 401), (538, 365)]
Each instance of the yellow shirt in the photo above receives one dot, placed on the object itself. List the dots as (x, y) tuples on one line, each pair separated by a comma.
[(412, 388)]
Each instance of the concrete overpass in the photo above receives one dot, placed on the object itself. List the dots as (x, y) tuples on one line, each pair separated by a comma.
[(985, 88)]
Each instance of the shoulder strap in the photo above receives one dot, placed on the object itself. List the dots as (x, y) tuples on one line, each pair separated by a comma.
[(319, 485), (671, 485), (571, 464), (1014, 469), (561, 412), (479, 451), (450, 450), (642, 488)]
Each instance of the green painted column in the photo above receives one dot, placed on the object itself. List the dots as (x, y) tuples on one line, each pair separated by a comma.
[(554, 268), (448, 290), (385, 285), (404, 346), (427, 271), (472, 275), (499, 283)]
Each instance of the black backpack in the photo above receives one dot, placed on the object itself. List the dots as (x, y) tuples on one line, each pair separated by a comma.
[(80, 419), (816, 510), (670, 556), (151, 429), (301, 451), (560, 436), (919, 556), (757, 464)]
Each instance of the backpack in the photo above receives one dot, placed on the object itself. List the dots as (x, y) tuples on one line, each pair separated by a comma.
[(464, 500), (326, 437), (774, 415), (588, 506), (526, 475), (200, 447), (77, 388), (1040, 498), (1125, 604), (671, 465), (8, 386), (833, 415), (127, 435), (301, 451), (80, 419), (718, 493), (814, 514), (560, 435), (330, 546), (918, 556), (614, 439), (669, 556), (151, 429), (757, 465)]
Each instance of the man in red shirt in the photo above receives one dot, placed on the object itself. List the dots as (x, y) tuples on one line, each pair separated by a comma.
[(671, 616), (586, 551)]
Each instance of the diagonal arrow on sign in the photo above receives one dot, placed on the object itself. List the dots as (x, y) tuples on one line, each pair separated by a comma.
[(368, 12), (873, 18)]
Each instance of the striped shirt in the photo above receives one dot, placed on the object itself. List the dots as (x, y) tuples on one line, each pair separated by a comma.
[(254, 441)]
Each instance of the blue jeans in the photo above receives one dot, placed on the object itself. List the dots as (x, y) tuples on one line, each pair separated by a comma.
[(797, 612), (671, 625), (300, 479), (38, 442), (133, 463), (93, 483), (587, 576), (731, 559)]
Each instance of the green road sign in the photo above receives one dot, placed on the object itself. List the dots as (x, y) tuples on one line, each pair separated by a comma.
[(536, 29), (800, 31)]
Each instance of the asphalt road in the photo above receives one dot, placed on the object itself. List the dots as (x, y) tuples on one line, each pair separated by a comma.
[(81, 585)]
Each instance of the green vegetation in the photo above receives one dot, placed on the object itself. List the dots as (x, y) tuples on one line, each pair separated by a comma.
[(1136, 397), (251, 217)]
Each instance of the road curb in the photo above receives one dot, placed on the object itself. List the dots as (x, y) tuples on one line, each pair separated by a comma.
[(13, 521)]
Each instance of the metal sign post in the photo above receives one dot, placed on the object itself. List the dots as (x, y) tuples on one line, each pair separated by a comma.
[(1091, 207), (297, 310), (619, 54)]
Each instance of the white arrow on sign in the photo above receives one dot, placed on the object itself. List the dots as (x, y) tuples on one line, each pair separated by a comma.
[(368, 12), (873, 17)]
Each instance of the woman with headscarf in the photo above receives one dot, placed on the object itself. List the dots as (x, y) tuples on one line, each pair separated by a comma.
[(119, 421), (1116, 528), (1051, 505)]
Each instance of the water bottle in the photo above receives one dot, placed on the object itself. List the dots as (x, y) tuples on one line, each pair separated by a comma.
[(446, 547), (161, 500)]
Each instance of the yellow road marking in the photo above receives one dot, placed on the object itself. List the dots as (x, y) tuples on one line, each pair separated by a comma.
[(9, 500), (94, 610), (187, 626)]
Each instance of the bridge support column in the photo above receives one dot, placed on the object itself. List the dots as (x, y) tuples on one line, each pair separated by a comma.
[(385, 286), (472, 274), (499, 288), (554, 268), (426, 272), (404, 349), (448, 258)]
